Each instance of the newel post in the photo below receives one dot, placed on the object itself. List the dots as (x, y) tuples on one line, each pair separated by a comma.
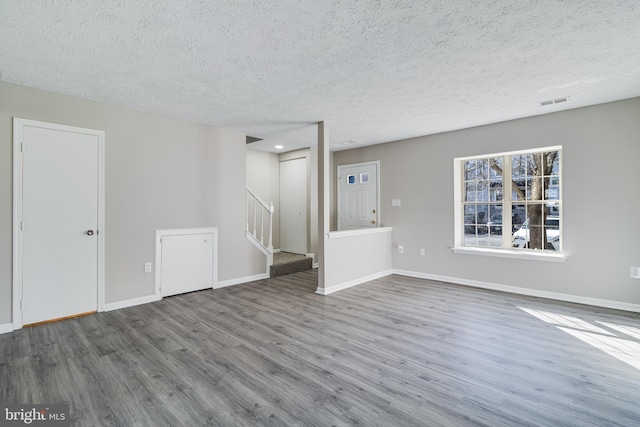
[(271, 210)]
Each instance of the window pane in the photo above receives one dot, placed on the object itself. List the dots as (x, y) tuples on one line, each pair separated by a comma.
[(469, 170), (518, 167), (518, 216), (535, 215), (495, 168), (552, 163), (483, 214), (494, 225), (552, 188), (534, 164), (483, 191), (519, 192), (481, 169), (534, 189), (552, 230), (495, 191), (470, 191)]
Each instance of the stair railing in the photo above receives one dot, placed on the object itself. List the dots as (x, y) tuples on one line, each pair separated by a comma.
[(257, 210)]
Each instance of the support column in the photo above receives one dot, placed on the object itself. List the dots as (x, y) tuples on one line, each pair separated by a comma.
[(323, 202)]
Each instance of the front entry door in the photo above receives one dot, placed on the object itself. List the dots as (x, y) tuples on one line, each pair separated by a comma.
[(59, 220), (358, 196)]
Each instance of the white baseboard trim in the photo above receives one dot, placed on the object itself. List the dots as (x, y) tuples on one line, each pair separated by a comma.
[(349, 284), (617, 305), (6, 328), (241, 280), (131, 302)]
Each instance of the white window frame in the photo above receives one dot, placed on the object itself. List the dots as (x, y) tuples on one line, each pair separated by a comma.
[(506, 251)]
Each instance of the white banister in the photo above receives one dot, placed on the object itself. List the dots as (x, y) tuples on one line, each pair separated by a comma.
[(260, 207), (255, 207)]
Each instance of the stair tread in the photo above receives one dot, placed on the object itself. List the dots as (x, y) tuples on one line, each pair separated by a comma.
[(287, 263)]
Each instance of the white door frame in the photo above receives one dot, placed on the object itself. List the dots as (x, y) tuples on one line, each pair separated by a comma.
[(18, 125), (375, 163)]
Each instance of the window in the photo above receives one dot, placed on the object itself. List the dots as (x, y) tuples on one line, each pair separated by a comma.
[(510, 201)]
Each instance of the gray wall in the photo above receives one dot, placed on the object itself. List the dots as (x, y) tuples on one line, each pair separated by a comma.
[(353, 257), (601, 161), (160, 173)]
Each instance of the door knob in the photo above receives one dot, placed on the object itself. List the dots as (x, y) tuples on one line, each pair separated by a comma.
[(373, 221), (89, 232)]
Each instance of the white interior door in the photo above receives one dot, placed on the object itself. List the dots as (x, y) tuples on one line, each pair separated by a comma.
[(59, 221), (358, 196), (293, 206)]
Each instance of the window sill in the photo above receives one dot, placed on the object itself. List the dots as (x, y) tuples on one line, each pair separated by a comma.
[(505, 253)]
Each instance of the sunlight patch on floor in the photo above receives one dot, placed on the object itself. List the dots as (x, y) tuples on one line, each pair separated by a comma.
[(620, 341)]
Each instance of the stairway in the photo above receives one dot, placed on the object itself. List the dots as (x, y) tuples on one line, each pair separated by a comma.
[(287, 263)]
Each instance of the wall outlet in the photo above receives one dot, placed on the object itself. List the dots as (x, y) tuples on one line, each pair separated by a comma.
[(147, 267), (634, 272), (422, 252), (400, 249)]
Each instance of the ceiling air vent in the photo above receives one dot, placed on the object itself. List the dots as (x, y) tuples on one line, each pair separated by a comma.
[(554, 101)]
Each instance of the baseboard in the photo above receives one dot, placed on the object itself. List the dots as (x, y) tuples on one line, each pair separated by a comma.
[(6, 328), (349, 284), (596, 302), (241, 280), (131, 302)]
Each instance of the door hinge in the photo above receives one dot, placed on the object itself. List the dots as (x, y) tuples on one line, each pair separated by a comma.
[(22, 147), (21, 304), (21, 225)]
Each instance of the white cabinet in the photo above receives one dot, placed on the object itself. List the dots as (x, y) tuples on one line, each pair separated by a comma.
[(186, 260)]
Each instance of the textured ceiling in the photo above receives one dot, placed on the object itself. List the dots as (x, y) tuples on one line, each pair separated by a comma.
[(376, 71)]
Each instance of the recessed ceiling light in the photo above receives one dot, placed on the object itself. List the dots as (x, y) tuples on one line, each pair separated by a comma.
[(348, 142), (279, 147)]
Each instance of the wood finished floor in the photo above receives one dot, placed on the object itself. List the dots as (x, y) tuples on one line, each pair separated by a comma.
[(393, 352)]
